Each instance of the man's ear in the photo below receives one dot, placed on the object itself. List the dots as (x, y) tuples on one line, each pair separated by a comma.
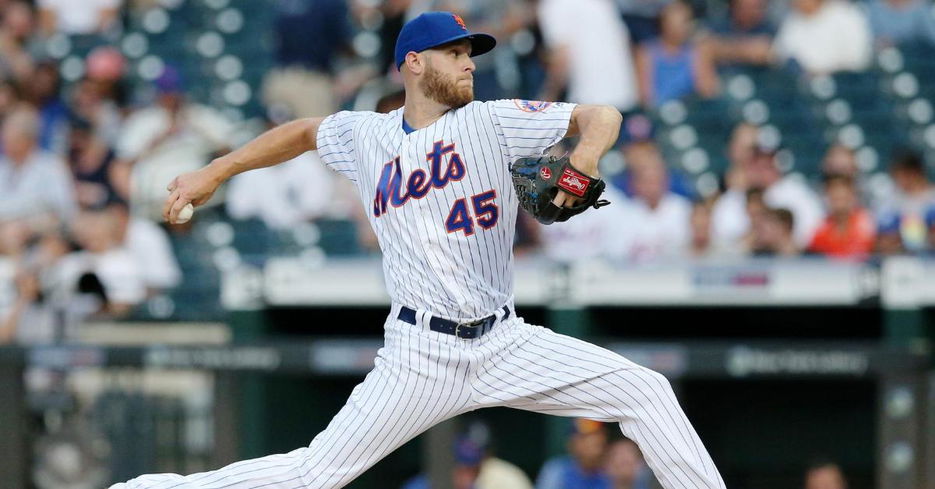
[(415, 62)]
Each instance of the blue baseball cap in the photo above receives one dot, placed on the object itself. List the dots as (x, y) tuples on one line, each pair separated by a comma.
[(467, 452), (432, 29)]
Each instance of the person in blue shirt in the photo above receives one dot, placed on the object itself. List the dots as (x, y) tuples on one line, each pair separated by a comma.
[(468, 458), (583, 467)]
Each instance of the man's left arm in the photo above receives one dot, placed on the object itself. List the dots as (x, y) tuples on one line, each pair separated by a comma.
[(599, 127)]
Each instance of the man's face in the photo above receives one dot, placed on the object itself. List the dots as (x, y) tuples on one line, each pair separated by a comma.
[(762, 171), (623, 462), (588, 449), (825, 478), (840, 161), (749, 13), (650, 184), (807, 7), (449, 74), (842, 198), (17, 142)]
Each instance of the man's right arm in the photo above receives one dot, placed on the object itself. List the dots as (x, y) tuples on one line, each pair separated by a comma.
[(275, 146)]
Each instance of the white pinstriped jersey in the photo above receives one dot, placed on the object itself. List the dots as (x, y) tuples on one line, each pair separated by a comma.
[(441, 199)]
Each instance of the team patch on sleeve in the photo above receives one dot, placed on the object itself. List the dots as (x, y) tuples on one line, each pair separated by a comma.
[(531, 105)]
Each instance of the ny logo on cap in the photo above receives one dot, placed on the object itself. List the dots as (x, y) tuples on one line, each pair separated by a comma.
[(459, 20)]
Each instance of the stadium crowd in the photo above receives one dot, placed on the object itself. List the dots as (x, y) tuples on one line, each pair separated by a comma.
[(85, 158), (594, 459)]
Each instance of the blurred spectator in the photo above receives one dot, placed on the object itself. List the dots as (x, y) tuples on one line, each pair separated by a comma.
[(101, 115), (37, 190), (677, 64), (904, 211), (771, 233), (824, 36), (625, 466), (90, 161), (702, 244), (589, 53), (29, 320), (889, 237), (80, 17), (104, 263), (583, 468), (760, 171), (901, 21), (282, 196), (840, 161), (645, 153), (654, 223), (825, 476), (745, 36), (164, 140), (848, 231), (150, 248), (309, 35), (394, 13), (588, 235), (102, 95), (9, 98), (43, 92), (495, 473), (476, 467), (18, 48), (744, 18), (642, 18)]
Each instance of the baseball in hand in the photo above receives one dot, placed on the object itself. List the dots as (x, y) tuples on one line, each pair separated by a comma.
[(185, 214)]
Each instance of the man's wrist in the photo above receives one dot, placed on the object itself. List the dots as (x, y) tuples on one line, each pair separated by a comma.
[(219, 170), (588, 166)]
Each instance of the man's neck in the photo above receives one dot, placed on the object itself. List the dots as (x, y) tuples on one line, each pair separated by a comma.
[(421, 111)]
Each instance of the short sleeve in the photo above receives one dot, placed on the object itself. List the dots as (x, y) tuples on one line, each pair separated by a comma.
[(337, 142), (529, 127)]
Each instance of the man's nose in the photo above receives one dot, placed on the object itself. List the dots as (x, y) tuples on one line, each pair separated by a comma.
[(470, 66)]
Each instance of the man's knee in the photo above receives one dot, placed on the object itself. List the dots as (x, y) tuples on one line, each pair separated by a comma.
[(655, 383)]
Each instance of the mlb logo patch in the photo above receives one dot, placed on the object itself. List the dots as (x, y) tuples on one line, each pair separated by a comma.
[(531, 105), (573, 183), (545, 173)]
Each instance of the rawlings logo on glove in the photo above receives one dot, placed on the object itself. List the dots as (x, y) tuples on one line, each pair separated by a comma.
[(538, 180)]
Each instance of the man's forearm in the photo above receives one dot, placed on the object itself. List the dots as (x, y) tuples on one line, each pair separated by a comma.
[(275, 146), (599, 126)]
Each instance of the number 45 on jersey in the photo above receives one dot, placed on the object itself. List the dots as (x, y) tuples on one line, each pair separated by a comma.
[(485, 213)]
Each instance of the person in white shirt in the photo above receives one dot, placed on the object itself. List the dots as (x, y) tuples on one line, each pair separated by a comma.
[(589, 53), (588, 235), (158, 142), (36, 187), (655, 221), (77, 16), (730, 219), (104, 257), (299, 190), (150, 247), (825, 36)]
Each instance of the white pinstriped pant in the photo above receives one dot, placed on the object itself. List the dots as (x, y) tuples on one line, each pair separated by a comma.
[(422, 377)]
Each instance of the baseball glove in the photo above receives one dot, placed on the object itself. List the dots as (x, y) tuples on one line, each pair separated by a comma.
[(538, 180)]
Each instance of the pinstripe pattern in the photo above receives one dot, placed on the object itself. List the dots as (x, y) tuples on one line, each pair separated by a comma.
[(455, 275), (422, 377)]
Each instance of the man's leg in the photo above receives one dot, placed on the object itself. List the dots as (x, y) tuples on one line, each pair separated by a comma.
[(414, 385), (543, 371)]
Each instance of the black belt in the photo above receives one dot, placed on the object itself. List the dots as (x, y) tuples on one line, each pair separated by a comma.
[(474, 329)]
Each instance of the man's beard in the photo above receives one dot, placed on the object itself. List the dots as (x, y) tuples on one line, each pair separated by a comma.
[(444, 89)]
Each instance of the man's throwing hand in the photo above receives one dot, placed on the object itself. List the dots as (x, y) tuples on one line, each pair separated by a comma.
[(188, 188)]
